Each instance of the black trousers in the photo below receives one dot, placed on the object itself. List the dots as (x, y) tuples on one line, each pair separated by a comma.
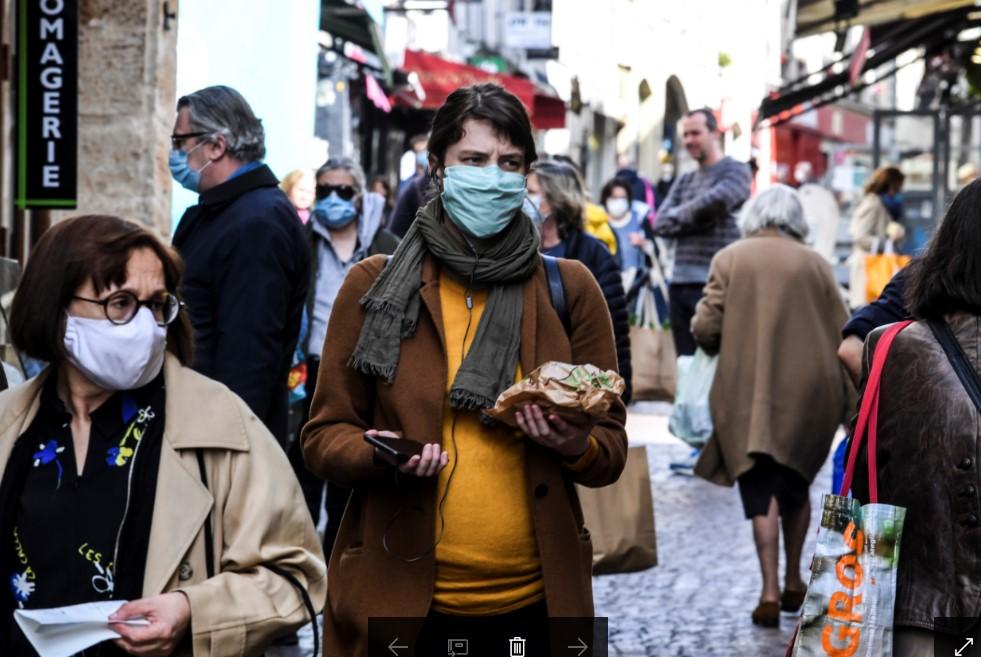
[(683, 298), (313, 486), (487, 635)]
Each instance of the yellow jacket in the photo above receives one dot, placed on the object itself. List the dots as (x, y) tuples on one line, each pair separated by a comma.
[(598, 225), (252, 500)]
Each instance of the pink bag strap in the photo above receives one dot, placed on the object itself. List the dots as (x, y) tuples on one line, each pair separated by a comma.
[(868, 415)]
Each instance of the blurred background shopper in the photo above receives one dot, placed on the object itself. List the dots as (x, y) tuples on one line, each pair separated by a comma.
[(345, 228), (558, 203)]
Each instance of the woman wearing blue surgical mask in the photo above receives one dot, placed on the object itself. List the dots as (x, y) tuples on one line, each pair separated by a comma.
[(127, 476), (556, 193), (479, 533), (345, 227)]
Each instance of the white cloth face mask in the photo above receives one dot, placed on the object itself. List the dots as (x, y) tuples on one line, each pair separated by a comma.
[(117, 356)]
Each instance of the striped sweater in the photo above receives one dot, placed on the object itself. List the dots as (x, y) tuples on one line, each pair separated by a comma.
[(700, 214)]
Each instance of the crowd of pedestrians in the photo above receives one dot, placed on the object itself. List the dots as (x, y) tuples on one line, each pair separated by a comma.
[(158, 437)]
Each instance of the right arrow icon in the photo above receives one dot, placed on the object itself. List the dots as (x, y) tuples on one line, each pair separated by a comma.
[(958, 653), (582, 648)]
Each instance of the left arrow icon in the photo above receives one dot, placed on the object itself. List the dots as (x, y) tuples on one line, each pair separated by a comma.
[(394, 647)]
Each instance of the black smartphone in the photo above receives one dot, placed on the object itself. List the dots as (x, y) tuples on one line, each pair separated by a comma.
[(394, 451)]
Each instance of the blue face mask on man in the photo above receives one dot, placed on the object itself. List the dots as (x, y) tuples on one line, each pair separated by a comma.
[(482, 200), (333, 212), (188, 177)]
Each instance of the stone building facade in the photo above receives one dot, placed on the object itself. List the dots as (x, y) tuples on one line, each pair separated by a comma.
[(127, 73)]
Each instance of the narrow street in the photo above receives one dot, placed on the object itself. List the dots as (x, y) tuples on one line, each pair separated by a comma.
[(697, 601)]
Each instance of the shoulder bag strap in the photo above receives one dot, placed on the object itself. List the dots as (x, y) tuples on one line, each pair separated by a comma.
[(556, 290), (209, 558), (868, 415), (958, 360)]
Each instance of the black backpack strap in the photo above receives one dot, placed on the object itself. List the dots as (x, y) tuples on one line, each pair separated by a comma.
[(209, 544), (958, 360), (556, 290)]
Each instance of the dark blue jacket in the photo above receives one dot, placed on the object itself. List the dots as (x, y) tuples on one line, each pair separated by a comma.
[(888, 308), (247, 268), (591, 252)]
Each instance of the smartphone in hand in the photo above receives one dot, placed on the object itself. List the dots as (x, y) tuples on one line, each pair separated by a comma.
[(394, 451)]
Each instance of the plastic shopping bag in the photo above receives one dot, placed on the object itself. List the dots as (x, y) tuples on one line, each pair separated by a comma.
[(851, 599), (691, 420)]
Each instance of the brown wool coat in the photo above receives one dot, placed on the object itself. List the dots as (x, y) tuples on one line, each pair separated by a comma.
[(363, 579), (773, 313)]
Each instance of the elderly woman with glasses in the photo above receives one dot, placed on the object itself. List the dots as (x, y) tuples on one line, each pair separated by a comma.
[(773, 313), (128, 477)]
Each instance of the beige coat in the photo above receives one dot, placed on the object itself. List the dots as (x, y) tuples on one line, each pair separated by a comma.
[(254, 501), (868, 226), (773, 313)]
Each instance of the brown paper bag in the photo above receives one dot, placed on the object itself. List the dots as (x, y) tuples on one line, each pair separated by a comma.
[(568, 391), (652, 352), (620, 518), (655, 371)]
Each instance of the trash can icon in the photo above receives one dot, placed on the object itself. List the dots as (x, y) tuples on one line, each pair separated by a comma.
[(517, 646)]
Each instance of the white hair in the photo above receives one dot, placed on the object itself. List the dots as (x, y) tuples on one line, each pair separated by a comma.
[(778, 207)]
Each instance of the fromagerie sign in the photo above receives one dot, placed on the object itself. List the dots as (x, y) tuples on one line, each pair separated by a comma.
[(47, 103)]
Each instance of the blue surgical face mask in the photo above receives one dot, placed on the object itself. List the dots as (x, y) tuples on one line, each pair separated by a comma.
[(422, 159), (334, 212), (182, 172), (482, 200), (532, 206)]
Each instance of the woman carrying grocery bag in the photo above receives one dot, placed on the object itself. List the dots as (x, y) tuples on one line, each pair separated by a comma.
[(772, 312)]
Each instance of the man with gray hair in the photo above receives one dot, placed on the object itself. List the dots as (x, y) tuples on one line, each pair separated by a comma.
[(246, 258)]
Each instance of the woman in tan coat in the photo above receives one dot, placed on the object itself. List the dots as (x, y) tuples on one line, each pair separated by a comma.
[(127, 476), (874, 221), (773, 313)]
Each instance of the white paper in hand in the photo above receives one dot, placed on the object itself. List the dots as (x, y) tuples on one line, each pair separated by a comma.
[(64, 631)]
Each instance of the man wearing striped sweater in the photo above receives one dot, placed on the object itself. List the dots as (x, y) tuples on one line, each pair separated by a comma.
[(699, 214)]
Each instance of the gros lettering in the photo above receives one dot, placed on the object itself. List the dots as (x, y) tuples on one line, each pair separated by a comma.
[(842, 633)]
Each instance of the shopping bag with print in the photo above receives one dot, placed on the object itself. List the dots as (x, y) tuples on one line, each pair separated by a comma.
[(851, 598)]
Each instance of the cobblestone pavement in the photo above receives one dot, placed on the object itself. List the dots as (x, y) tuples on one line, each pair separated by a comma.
[(697, 601)]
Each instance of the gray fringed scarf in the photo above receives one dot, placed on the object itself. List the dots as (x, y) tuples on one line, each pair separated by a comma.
[(392, 304)]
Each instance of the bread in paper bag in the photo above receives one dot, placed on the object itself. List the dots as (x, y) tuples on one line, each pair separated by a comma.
[(568, 391)]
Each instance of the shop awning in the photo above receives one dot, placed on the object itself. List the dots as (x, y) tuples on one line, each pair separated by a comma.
[(817, 16), (439, 78), (886, 43), (348, 20)]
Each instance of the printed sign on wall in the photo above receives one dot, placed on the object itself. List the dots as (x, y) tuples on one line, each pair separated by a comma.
[(47, 103)]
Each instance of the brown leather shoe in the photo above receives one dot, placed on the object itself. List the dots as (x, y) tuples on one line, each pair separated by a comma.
[(767, 614), (791, 600)]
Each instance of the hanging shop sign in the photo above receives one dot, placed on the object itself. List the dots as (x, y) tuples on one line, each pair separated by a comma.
[(47, 103)]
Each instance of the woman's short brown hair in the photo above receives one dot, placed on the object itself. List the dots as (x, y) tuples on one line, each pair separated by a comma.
[(71, 253), (885, 180)]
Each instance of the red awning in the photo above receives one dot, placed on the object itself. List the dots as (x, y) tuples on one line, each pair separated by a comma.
[(439, 78)]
